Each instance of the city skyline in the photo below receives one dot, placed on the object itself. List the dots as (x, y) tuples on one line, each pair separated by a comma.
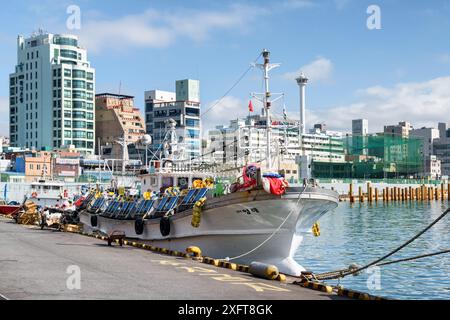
[(351, 76)]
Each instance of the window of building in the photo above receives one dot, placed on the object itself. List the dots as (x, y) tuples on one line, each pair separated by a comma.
[(193, 112), (79, 74), (79, 125), (71, 54), (79, 105), (77, 94), (79, 84), (79, 114), (192, 123), (79, 134), (79, 144)]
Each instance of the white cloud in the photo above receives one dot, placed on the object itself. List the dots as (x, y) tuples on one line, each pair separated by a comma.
[(4, 118), (422, 104), (229, 108), (162, 28), (444, 58), (319, 70)]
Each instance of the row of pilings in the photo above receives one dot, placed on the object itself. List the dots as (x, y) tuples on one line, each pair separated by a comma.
[(393, 194)]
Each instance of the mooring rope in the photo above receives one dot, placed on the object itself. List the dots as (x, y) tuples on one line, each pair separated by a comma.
[(415, 257), (340, 274)]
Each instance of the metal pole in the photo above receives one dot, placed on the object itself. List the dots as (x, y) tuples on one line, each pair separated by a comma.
[(266, 55)]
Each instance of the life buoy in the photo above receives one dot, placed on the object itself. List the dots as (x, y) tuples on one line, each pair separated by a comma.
[(139, 225), (94, 220), (164, 226), (34, 195)]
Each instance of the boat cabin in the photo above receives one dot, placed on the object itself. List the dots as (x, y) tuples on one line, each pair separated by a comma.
[(160, 181)]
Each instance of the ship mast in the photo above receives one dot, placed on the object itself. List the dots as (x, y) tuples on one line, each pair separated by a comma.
[(266, 67)]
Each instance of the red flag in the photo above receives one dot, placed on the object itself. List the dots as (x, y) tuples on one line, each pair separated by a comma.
[(250, 106)]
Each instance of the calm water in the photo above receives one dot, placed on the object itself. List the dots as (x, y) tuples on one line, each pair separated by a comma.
[(362, 233)]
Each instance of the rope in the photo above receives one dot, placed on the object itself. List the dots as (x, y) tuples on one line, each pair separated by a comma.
[(415, 258), (376, 262), (273, 233), (231, 89)]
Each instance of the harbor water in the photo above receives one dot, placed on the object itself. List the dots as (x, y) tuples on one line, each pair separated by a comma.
[(362, 233)]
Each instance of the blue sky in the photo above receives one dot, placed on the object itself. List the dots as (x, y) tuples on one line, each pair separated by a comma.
[(400, 72)]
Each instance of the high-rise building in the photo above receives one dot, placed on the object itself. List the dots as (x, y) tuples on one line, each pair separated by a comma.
[(188, 90), (52, 94), (432, 166), (360, 127), (401, 129), (184, 108)]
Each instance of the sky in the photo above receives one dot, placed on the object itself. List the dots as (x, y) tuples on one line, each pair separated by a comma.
[(400, 72)]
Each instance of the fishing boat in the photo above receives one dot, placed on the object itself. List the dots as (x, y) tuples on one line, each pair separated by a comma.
[(256, 217)]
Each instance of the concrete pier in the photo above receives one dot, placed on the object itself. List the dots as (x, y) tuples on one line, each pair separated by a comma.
[(41, 264)]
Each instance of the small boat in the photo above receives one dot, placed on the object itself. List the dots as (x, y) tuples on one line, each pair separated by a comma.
[(9, 209)]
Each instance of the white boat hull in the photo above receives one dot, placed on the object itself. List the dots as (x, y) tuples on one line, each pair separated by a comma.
[(252, 226)]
